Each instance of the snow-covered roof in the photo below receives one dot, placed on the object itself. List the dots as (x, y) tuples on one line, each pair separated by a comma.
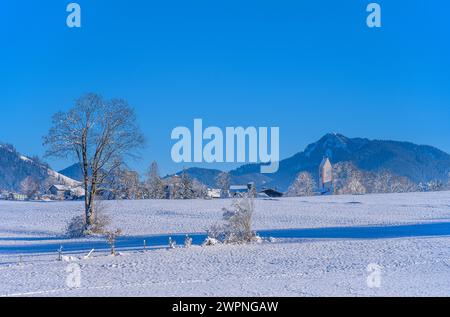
[(238, 187), (61, 187)]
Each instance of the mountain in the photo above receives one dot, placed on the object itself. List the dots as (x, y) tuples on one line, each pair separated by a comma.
[(203, 175), (15, 168), (405, 161), (73, 171)]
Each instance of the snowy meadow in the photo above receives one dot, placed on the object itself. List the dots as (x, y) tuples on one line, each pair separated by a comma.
[(364, 245)]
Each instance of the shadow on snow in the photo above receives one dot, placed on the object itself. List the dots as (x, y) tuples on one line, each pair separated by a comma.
[(161, 241)]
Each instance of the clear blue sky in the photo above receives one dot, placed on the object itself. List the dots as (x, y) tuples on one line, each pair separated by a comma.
[(309, 67)]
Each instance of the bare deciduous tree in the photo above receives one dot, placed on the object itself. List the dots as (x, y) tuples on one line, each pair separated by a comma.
[(185, 188), (126, 184), (30, 186), (238, 223), (99, 134), (154, 184), (223, 181), (303, 185)]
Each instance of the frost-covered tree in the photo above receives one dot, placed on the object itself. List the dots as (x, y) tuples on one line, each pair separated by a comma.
[(354, 186), (99, 134), (154, 183), (184, 189), (348, 179), (187, 241), (385, 182), (435, 185), (238, 223), (172, 243), (200, 190), (252, 190), (125, 184), (30, 186), (223, 181), (303, 185), (111, 237)]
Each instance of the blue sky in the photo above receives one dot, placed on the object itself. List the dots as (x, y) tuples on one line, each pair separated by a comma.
[(309, 67)]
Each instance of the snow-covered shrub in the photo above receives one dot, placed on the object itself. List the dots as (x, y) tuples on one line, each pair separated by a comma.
[(172, 243), (303, 185), (76, 227), (111, 237), (187, 242), (238, 223), (210, 242)]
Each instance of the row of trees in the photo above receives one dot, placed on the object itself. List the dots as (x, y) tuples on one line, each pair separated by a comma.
[(125, 184), (348, 179), (101, 134)]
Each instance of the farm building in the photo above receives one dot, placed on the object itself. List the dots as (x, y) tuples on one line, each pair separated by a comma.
[(270, 192), (213, 193), (240, 190), (5, 195), (62, 192)]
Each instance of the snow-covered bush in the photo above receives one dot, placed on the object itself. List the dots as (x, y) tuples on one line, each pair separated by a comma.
[(210, 241), (172, 243), (238, 223), (111, 237), (303, 185), (187, 242), (76, 227)]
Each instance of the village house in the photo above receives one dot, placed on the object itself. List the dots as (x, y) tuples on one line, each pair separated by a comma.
[(270, 192), (5, 195), (213, 193), (59, 191), (238, 190), (241, 190), (64, 192)]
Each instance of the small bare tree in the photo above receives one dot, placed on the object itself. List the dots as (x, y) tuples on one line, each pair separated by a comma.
[(223, 181), (111, 237), (154, 184), (99, 134), (30, 186), (184, 189), (125, 184), (303, 185), (238, 223)]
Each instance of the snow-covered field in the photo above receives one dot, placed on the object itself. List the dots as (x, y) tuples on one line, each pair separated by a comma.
[(408, 266)]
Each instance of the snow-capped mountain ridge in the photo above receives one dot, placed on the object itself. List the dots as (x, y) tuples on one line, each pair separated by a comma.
[(414, 163), (15, 167)]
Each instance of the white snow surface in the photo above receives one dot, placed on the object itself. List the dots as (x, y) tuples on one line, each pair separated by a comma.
[(418, 266), (140, 217)]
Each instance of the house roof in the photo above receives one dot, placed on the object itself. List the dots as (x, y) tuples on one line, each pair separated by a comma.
[(271, 192), (238, 187), (61, 187)]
